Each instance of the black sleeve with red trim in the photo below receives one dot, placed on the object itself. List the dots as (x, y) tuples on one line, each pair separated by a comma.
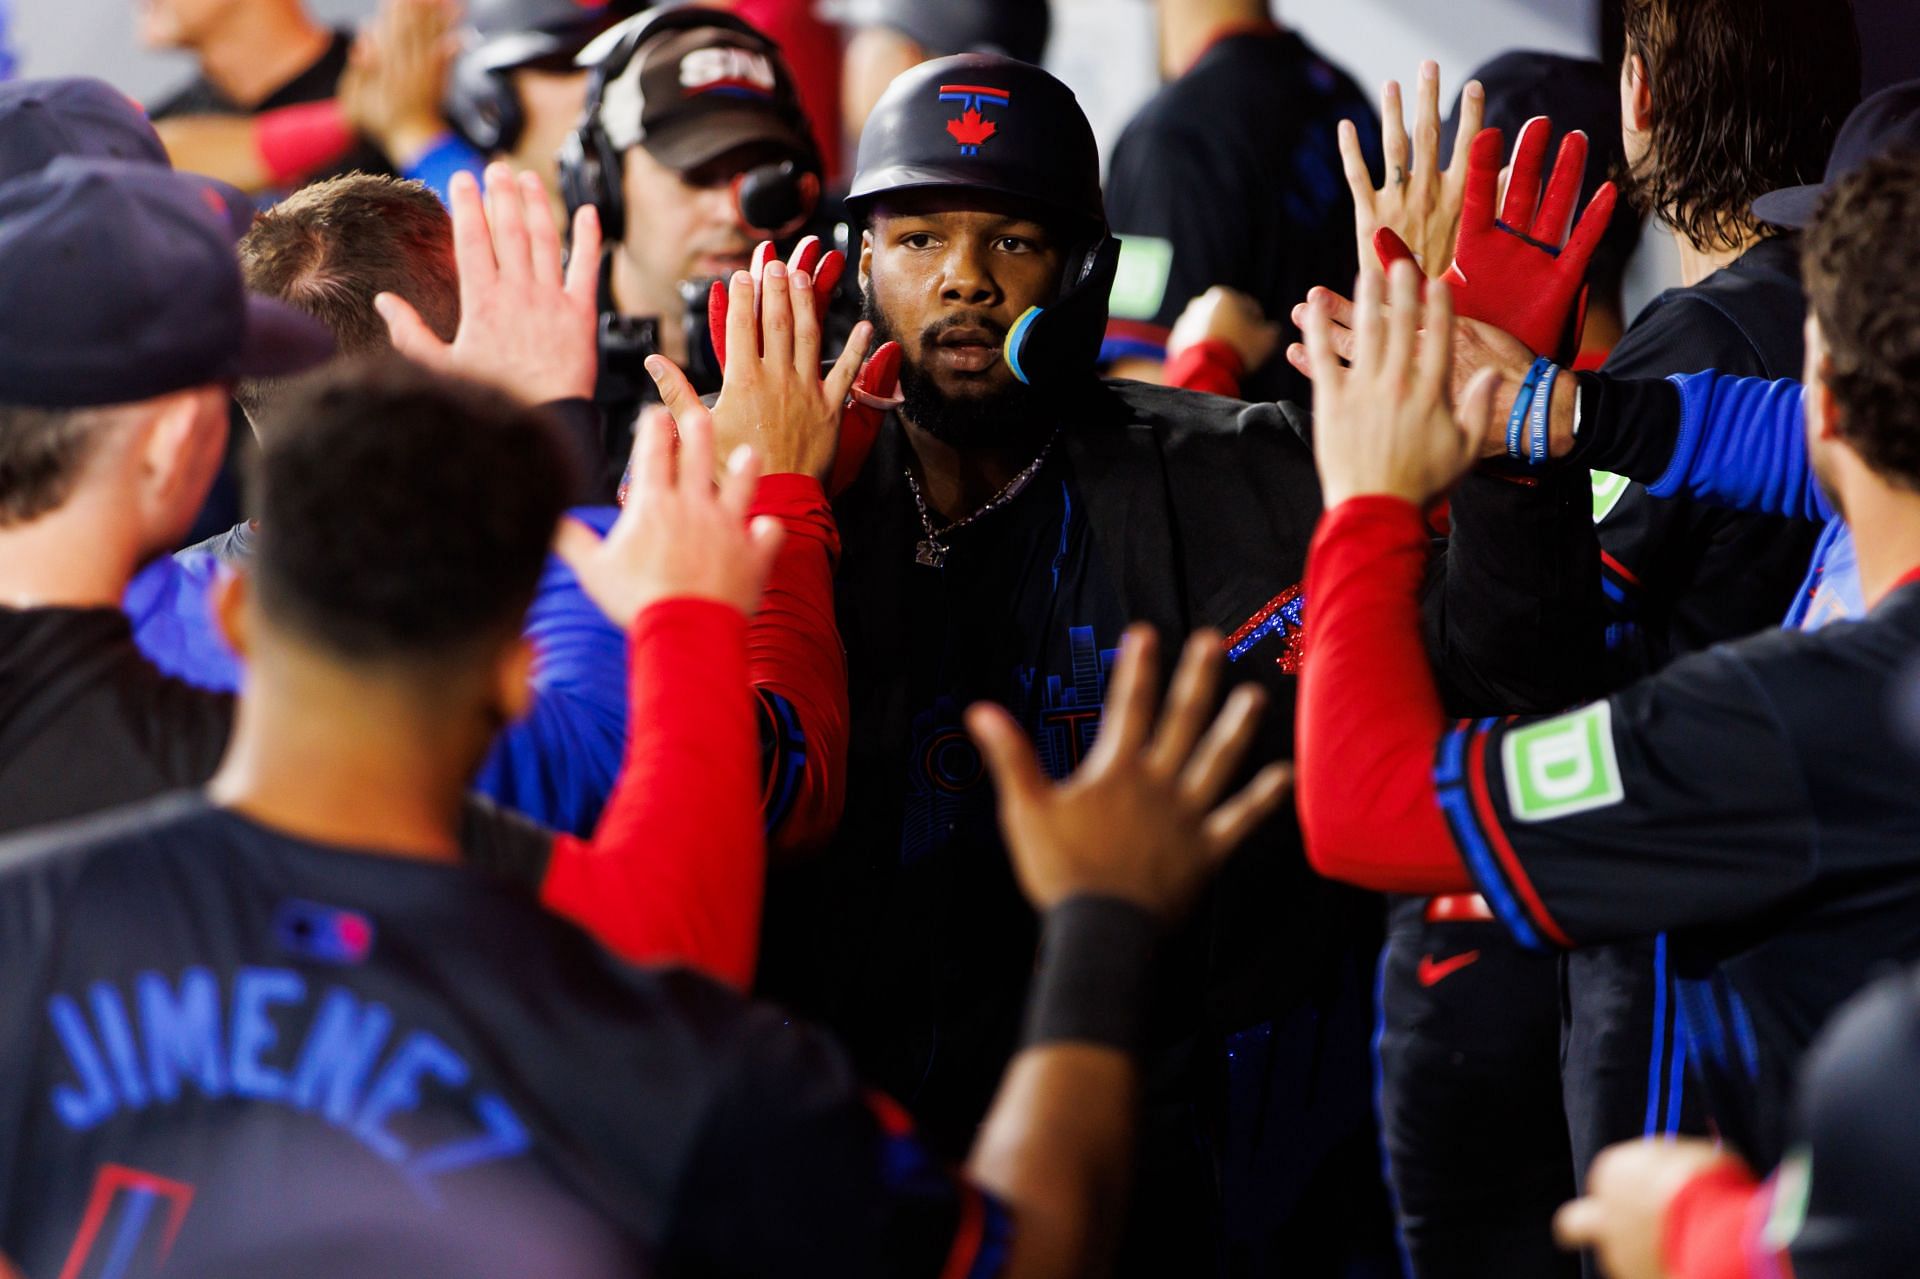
[(799, 1170), (1675, 803)]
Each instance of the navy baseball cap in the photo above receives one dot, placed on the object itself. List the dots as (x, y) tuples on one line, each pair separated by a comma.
[(122, 284), (41, 120), (1887, 121)]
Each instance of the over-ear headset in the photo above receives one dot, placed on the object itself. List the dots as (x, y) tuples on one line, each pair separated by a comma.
[(591, 167)]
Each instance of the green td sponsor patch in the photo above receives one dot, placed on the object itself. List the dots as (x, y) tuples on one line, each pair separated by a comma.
[(1562, 766), (1140, 283), (1608, 489)]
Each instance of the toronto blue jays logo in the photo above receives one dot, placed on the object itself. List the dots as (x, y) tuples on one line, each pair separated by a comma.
[(972, 129)]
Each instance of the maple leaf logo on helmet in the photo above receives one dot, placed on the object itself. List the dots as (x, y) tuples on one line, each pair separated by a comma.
[(973, 128)]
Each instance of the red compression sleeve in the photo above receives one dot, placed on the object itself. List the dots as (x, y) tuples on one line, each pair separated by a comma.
[(1212, 366), (1709, 1224), (794, 653), (1369, 716), (676, 868), (297, 141)]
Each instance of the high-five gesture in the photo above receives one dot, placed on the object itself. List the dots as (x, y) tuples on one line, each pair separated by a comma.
[(1386, 425), (526, 325), (772, 393), (679, 535), (875, 389), (1420, 201), (1142, 818), (1519, 270)]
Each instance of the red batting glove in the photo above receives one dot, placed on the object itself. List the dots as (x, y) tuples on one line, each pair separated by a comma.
[(1513, 271), (876, 390)]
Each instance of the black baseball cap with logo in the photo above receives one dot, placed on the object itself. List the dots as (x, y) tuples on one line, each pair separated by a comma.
[(122, 284), (1886, 122), (689, 94)]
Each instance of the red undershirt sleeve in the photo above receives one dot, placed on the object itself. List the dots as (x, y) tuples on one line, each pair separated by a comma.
[(799, 670), (1210, 365), (1369, 716), (676, 868), (1712, 1224)]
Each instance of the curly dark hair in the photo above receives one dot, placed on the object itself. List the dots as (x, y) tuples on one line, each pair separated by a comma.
[(1747, 97), (404, 515), (1862, 265)]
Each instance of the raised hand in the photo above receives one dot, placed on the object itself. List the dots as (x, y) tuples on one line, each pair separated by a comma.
[(1623, 1216), (679, 535), (526, 325), (1520, 270), (397, 74), (1420, 201), (1386, 425), (1142, 819), (1477, 347), (772, 393), (875, 389)]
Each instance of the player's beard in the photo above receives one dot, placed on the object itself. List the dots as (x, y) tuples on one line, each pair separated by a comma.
[(995, 419)]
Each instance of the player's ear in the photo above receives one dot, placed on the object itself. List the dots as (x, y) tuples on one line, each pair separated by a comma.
[(866, 260), (513, 680), (231, 598), (1637, 101)]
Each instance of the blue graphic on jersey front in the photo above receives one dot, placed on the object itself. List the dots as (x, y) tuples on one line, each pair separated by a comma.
[(945, 774)]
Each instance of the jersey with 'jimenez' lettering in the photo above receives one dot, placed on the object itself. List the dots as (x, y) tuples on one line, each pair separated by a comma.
[(1753, 802), (226, 1050)]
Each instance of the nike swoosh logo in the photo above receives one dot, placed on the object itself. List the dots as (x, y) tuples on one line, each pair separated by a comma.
[(1432, 972)]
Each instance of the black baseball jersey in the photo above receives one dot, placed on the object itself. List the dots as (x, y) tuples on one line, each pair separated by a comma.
[(317, 83), (907, 934), (87, 723), (1231, 175), (1753, 803), (1680, 575), (237, 1051)]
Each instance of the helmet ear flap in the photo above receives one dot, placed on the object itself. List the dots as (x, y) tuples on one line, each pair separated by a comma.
[(1054, 344)]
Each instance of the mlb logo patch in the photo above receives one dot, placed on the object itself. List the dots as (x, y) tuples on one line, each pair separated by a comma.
[(323, 933)]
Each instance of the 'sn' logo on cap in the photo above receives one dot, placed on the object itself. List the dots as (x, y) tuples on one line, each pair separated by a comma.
[(973, 127)]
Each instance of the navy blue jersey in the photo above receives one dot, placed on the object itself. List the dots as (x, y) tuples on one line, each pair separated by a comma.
[(1750, 801), (230, 1049)]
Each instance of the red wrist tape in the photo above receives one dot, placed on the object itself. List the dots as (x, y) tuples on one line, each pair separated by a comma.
[(1704, 1233), (298, 141)]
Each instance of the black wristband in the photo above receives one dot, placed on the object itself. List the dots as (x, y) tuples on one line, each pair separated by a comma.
[(1096, 956)]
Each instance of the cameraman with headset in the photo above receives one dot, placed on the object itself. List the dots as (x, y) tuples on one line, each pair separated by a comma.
[(692, 147)]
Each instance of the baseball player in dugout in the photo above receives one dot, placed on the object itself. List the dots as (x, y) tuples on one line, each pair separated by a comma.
[(997, 531)]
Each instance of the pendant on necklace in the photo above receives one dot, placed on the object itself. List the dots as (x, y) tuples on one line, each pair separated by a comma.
[(930, 553)]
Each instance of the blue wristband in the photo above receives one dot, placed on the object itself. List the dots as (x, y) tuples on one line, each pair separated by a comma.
[(1517, 418), (1537, 419)]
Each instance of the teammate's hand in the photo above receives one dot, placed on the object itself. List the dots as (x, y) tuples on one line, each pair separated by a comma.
[(1226, 315), (524, 326), (1386, 425), (1521, 269), (397, 74), (772, 394), (1477, 347), (1142, 818), (1420, 201), (679, 536), (1623, 1217)]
